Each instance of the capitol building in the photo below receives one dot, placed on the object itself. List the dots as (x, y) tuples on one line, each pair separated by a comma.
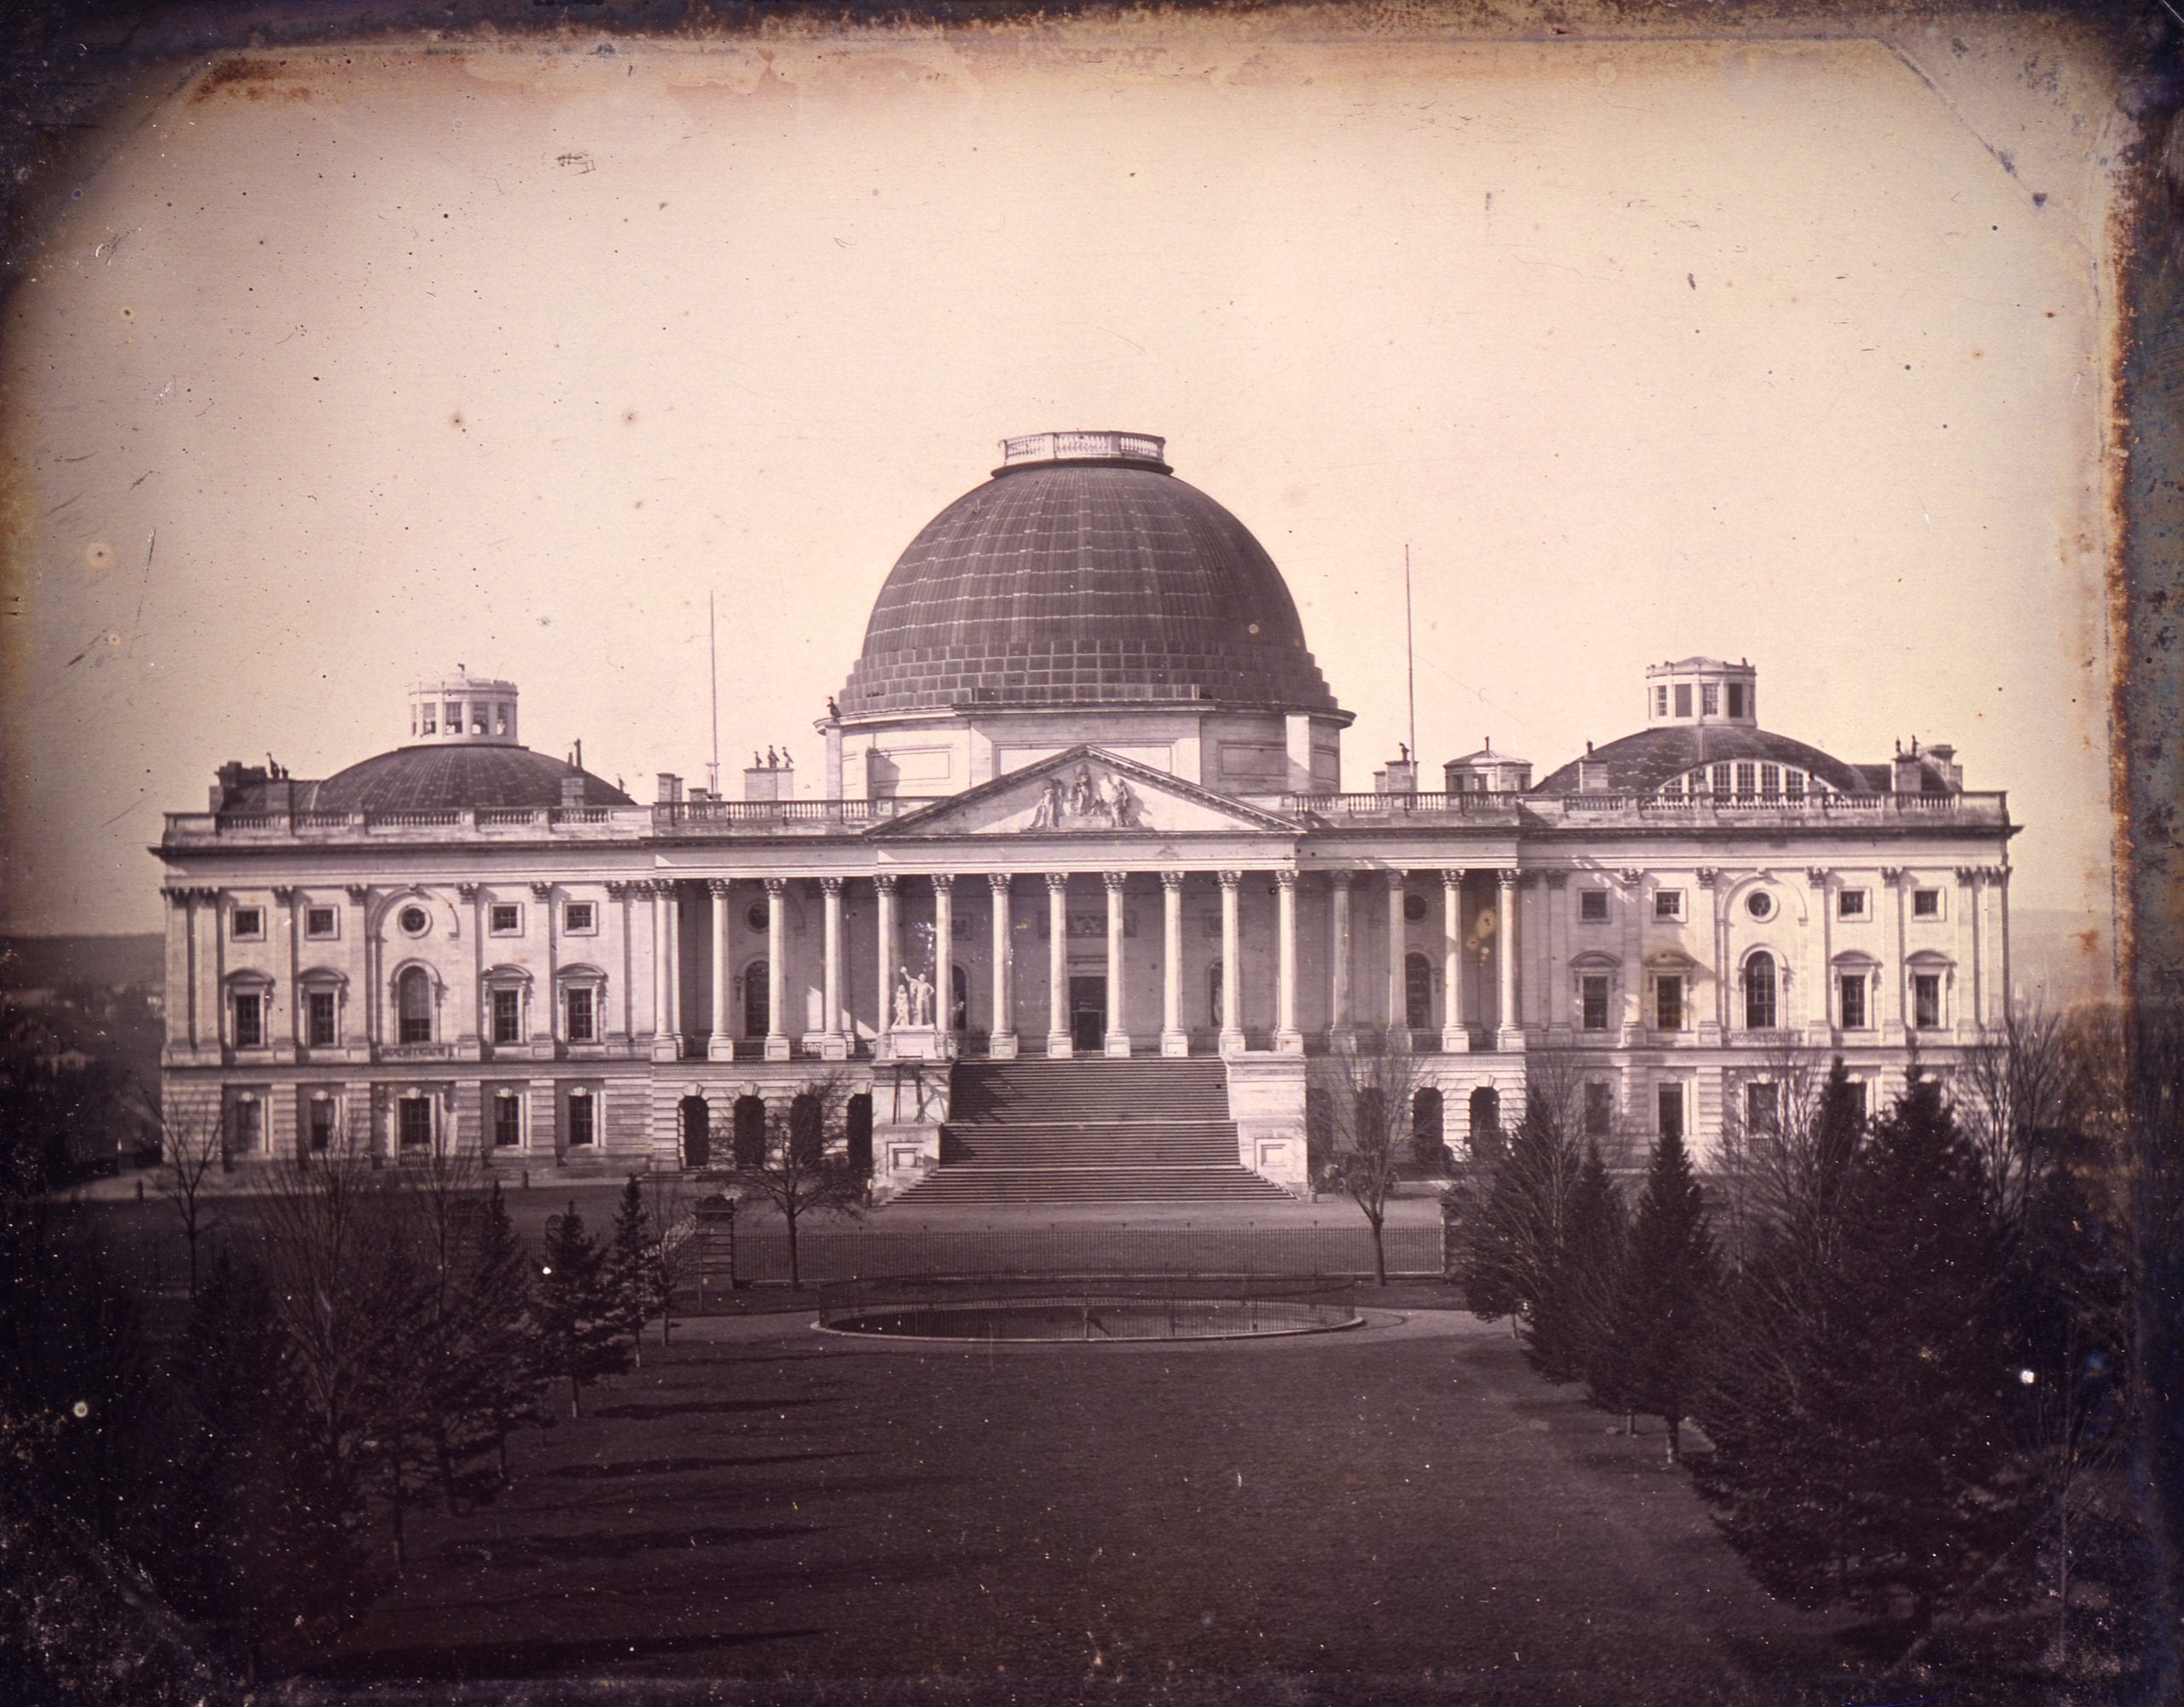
[(1081, 894)]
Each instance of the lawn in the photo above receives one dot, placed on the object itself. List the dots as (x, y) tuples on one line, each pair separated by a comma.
[(1397, 1514)]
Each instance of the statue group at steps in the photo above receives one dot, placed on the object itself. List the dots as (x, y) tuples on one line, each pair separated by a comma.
[(914, 1000)]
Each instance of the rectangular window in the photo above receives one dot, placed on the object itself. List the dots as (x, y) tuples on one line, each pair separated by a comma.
[(430, 722), (1925, 904), (1600, 1108), (1669, 1100), (248, 1125), (1683, 698), (508, 1121), (500, 720), (1925, 999), (477, 717), (320, 922), (1592, 906), (248, 924), (1722, 781), (1770, 781), (1668, 904), (1660, 702), (1668, 1003), (505, 919), (580, 918), (1710, 700), (1794, 785), (1593, 999), (583, 1026), (1761, 1102), (250, 1021), (1851, 988), (318, 1133), (1736, 699), (455, 717), (1861, 1098), (579, 1117), (1747, 781), (508, 1016), (1850, 904), (413, 1122), (318, 1020)]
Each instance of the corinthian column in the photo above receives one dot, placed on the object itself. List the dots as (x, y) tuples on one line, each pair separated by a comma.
[(1173, 1039), (884, 1023), (777, 970), (721, 1046), (1118, 1025), (1000, 1038), (834, 1044), (1287, 1039), (1341, 1022), (1455, 1032), (1231, 1023), (1397, 931), (1511, 1035), (1058, 1040)]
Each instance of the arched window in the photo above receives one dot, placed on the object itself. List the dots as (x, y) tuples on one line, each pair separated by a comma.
[(807, 1128), (858, 1129), (1759, 992), (750, 1116), (697, 1132), (758, 1016), (959, 999), (1485, 1123), (1417, 992), (1426, 1141), (413, 1006)]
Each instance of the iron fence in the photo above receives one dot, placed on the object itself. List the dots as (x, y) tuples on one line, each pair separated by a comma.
[(827, 1255)]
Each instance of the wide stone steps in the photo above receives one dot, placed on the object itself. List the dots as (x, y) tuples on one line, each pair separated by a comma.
[(1091, 1131)]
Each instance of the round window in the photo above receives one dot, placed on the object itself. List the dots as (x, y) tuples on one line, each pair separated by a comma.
[(1760, 905), (414, 920), (755, 915), (1413, 907)]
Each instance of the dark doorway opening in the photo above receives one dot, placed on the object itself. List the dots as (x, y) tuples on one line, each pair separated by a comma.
[(1087, 1012), (857, 1124), (697, 1132)]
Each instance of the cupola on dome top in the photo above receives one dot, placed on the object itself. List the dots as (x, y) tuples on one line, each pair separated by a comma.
[(1084, 573)]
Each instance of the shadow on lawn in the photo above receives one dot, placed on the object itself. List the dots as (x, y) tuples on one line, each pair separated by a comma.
[(456, 1662), (682, 1466), (509, 1552)]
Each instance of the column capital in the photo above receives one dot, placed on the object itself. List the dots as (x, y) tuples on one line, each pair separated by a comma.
[(1452, 877), (1340, 877), (468, 891), (542, 891), (359, 892), (1707, 876), (943, 882), (1631, 876), (1555, 880), (1892, 875), (1999, 875), (776, 887), (830, 885), (884, 882), (1114, 880), (1286, 879), (1396, 879), (1507, 876), (662, 886), (1057, 882), (1231, 879), (1965, 873), (1817, 875), (998, 881), (1172, 881), (285, 893)]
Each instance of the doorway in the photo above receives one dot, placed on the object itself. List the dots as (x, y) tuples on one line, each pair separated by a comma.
[(1087, 1012)]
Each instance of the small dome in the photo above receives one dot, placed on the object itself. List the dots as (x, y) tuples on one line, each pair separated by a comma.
[(1084, 573), (1640, 764), (436, 779)]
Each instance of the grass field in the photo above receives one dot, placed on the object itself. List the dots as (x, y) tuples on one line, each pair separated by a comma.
[(1402, 1513)]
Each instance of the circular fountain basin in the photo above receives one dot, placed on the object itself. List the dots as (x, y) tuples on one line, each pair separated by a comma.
[(1104, 1318)]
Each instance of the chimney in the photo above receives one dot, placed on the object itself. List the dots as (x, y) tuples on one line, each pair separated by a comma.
[(572, 790), (670, 789)]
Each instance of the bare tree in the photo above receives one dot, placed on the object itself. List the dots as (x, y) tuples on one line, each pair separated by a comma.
[(804, 1164), (675, 1251), (2018, 1090), (193, 1148), (1367, 1092)]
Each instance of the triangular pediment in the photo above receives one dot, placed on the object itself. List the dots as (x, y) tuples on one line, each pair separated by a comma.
[(1087, 792)]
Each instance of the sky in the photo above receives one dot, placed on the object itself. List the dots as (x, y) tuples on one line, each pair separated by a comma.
[(362, 364)]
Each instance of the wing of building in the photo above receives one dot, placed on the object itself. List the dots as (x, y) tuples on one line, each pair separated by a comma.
[(1080, 892)]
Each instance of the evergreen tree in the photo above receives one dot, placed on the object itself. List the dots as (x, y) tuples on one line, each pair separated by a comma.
[(1857, 1398), (630, 1275), (1670, 1273), (504, 1362), (1573, 1321), (580, 1333), (1512, 1237)]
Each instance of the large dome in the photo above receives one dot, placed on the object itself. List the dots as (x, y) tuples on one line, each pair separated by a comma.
[(437, 779), (1084, 573)]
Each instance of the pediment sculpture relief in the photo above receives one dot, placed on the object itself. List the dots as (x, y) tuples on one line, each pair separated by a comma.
[(1089, 800)]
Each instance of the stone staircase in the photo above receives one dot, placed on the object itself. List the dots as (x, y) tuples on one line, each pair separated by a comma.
[(1090, 1131)]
